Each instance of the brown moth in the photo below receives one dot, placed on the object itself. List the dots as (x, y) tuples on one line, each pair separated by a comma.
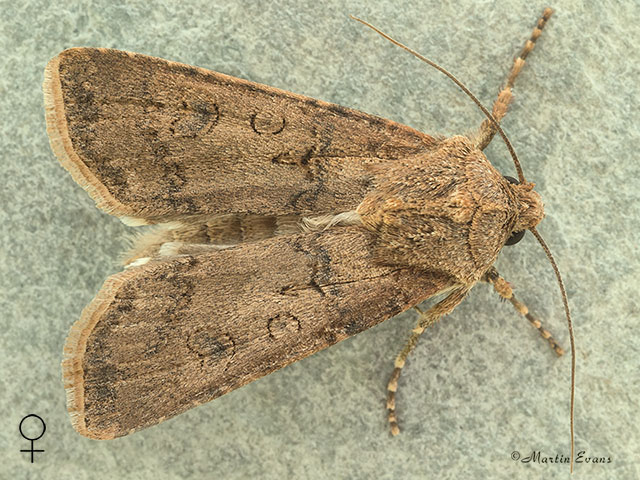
[(285, 224)]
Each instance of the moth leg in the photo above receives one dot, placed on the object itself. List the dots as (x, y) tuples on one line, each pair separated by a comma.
[(425, 320), (503, 289), (488, 129)]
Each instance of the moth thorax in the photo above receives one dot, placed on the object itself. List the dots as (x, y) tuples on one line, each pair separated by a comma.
[(530, 206)]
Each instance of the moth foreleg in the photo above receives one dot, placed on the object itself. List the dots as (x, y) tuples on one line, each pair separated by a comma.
[(501, 105), (502, 287), (425, 320)]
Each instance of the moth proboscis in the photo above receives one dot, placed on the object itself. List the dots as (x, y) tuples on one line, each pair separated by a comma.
[(285, 224)]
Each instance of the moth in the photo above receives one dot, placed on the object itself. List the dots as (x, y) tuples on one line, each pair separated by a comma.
[(284, 225)]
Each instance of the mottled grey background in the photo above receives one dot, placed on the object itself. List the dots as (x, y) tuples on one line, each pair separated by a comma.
[(482, 384)]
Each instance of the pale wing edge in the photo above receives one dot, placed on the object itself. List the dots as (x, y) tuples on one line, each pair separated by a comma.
[(62, 146)]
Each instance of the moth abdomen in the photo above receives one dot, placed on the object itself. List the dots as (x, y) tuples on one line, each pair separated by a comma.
[(195, 234)]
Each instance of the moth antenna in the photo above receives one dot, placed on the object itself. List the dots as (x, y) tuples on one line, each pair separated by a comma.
[(568, 314), (521, 179), (461, 85)]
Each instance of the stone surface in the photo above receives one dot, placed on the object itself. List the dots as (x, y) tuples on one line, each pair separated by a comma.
[(482, 384)]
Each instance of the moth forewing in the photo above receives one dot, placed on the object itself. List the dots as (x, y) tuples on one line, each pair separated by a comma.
[(179, 331), (153, 140)]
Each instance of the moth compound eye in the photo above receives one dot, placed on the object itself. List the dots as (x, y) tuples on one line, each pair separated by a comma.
[(511, 180), (515, 238)]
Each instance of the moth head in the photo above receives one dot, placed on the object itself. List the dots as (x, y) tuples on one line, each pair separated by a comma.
[(530, 209)]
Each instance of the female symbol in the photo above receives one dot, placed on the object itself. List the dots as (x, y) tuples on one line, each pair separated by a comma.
[(44, 427)]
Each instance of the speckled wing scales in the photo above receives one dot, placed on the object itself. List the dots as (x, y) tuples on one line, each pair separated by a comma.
[(177, 332), (153, 140), (218, 160)]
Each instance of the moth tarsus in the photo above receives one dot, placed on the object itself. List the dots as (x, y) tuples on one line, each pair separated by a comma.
[(504, 289), (285, 224)]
